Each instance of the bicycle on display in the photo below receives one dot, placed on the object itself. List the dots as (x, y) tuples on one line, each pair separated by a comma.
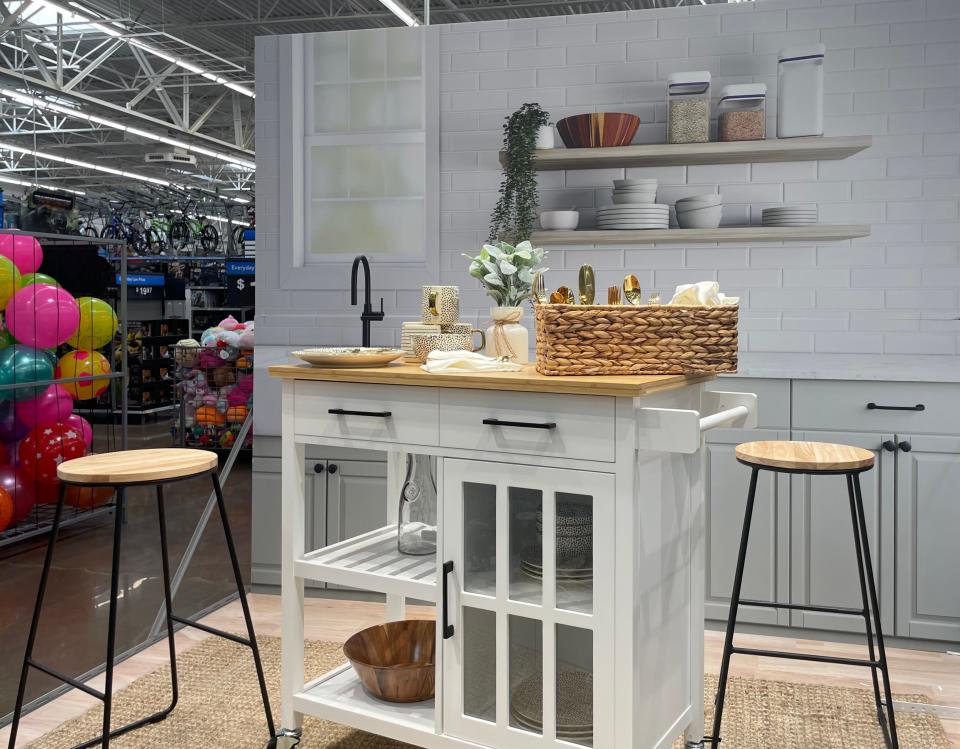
[(191, 228), (117, 227)]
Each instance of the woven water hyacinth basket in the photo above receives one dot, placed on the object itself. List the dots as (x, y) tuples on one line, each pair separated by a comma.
[(575, 339)]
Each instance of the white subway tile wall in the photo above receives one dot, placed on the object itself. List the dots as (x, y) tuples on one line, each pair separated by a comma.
[(892, 71)]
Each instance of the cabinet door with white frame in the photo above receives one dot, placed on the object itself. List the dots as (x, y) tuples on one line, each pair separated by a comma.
[(928, 520), (824, 560), (530, 602)]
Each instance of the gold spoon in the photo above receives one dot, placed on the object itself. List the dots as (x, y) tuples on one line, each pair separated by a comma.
[(631, 289), (562, 295), (588, 287)]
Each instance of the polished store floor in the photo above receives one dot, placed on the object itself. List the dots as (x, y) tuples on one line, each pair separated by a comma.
[(72, 635)]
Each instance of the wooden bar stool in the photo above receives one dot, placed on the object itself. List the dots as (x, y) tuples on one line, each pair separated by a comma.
[(814, 459), (120, 470)]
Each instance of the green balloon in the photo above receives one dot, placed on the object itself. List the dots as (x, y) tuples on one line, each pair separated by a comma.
[(20, 363), (6, 339), (31, 278)]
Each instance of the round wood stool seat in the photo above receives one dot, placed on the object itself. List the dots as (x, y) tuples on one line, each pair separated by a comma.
[(804, 456), (137, 466)]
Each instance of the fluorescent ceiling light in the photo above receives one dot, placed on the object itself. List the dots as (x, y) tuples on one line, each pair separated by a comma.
[(85, 164), (400, 12), (34, 101), (14, 181)]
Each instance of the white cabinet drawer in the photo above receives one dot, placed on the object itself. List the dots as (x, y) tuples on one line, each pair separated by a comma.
[(845, 405), (573, 426), (381, 413)]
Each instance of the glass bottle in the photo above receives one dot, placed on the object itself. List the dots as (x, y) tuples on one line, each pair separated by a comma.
[(417, 527)]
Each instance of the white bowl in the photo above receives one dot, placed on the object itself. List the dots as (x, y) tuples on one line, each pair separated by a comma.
[(626, 184), (634, 198), (700, 200), (702, 218), (556, 220), (681, 207)]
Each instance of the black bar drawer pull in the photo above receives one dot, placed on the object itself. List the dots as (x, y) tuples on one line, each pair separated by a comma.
[(524, 424), (874, 407), (345, 412), (447, 627)]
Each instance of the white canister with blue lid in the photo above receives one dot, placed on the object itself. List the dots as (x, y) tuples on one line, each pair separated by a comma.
[(800, 91)]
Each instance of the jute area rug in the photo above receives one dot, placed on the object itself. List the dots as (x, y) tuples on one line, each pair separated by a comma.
[(220, 707)]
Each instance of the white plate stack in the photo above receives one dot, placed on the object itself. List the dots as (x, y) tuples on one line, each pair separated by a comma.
[(649, 216), (634, 191), (789, 216), (699, 211)]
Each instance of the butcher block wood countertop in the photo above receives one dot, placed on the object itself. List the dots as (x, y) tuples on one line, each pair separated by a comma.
[(526, 380)]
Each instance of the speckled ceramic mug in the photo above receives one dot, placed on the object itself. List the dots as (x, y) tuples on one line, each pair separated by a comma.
[(440, 305), (424, 343)]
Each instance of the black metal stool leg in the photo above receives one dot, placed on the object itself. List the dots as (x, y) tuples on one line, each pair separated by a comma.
[(112, 617), (734, 607), (168, 600), (35, 622), (243, 603), (863, 592), (875, 605)]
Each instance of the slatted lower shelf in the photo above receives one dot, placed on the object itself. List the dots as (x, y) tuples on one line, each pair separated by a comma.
[(372, 562)]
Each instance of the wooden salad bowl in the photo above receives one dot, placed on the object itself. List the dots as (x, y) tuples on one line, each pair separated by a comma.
[(395, 661), (598, 129)]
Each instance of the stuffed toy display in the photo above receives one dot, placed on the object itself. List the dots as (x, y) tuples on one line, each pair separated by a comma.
[(215, 384)]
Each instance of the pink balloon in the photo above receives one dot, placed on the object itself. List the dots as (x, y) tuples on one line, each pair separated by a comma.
[(42, 315), (81, 425), (25, 252), (53, 404)]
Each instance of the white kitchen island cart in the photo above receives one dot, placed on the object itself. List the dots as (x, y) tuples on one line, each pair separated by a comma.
[(568, 577)]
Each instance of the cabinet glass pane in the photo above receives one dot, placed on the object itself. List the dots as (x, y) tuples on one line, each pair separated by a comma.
[(479, 663), (330, 57), (574, 685), (526, 674), (526, 552), (480, 538), (574, 542)]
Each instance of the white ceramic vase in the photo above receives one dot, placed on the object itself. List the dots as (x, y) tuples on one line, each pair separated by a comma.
[(544, 137), (507, 337)]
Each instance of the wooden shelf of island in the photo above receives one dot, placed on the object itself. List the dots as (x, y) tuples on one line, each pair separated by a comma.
[(725, 234), (686, 154)]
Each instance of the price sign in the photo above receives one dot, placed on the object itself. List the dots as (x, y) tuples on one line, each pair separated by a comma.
[(241, 283), (144, 286)]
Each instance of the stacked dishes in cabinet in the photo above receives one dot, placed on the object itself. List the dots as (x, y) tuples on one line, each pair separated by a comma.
[(574, 704), (699, 211), (634, 207), (789, 216)]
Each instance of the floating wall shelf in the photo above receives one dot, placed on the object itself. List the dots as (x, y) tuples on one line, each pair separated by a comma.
[(668, 154), (726, 234)]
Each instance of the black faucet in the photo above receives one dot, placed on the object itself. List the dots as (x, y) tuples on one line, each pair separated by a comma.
[(368, 313)]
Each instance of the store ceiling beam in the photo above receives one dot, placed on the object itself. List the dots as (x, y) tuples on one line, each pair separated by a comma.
[(104, 56), (161, 94), (198, 122), (11, 18), (151, 84), (38, 61)]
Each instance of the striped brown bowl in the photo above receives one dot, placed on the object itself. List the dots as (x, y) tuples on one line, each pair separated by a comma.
[(395, 660), (598, 129)]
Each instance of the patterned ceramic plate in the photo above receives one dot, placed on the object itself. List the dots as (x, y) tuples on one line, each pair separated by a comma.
[(349, 357)]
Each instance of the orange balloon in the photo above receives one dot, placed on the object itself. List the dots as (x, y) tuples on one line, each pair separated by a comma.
[(88, 497), (6, 509)]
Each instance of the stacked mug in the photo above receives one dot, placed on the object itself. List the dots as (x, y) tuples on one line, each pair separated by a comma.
[(439, 328)]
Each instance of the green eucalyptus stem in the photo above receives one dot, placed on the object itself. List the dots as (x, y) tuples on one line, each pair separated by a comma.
[(516, 209)]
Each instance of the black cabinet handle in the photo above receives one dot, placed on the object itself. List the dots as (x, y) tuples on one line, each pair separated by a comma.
[(345, 412), (332, 468), (447, 627), (524, 424), (890, 446), (905, 446), (875, 407), (318, 467)]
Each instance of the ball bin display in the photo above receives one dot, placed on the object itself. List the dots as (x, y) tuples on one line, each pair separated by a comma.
[(215, 385)]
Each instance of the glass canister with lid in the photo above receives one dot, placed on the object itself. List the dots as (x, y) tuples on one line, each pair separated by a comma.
[(800, 91), (742, 112), (688, 107)]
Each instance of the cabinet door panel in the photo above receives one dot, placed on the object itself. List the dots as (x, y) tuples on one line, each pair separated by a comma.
[(356, 498), (766, 576), (824, 560), (928, 554)]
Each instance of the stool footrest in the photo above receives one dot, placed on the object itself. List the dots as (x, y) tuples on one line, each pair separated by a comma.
[(67, 680), (865, 662), (155, 718), (805, 607), (212, 630)]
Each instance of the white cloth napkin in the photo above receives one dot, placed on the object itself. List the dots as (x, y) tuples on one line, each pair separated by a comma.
[(465, 361), (703, 293)]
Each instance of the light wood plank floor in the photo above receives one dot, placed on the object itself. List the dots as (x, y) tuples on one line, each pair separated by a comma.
[(935, 675)]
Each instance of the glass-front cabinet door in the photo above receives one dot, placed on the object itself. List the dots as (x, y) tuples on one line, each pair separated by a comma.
[(530, 601)]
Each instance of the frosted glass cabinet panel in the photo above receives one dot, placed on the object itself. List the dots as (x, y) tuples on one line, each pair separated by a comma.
[(365, 158), (530, 599)]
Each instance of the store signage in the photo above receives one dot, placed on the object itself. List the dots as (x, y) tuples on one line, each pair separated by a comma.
[(241, 283), (143, 286)]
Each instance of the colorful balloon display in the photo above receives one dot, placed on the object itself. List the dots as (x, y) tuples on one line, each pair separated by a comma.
[(6, 509), (46, 447), (98, 324), (42, 316), (76, 421), (24, 251), (88, 497), (90, 365), (9, 279), (19, 364), (11, 430), (28, 279), (20, 488), (55, 404)]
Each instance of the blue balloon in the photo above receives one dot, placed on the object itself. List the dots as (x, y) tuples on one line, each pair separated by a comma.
[(20, 363)]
